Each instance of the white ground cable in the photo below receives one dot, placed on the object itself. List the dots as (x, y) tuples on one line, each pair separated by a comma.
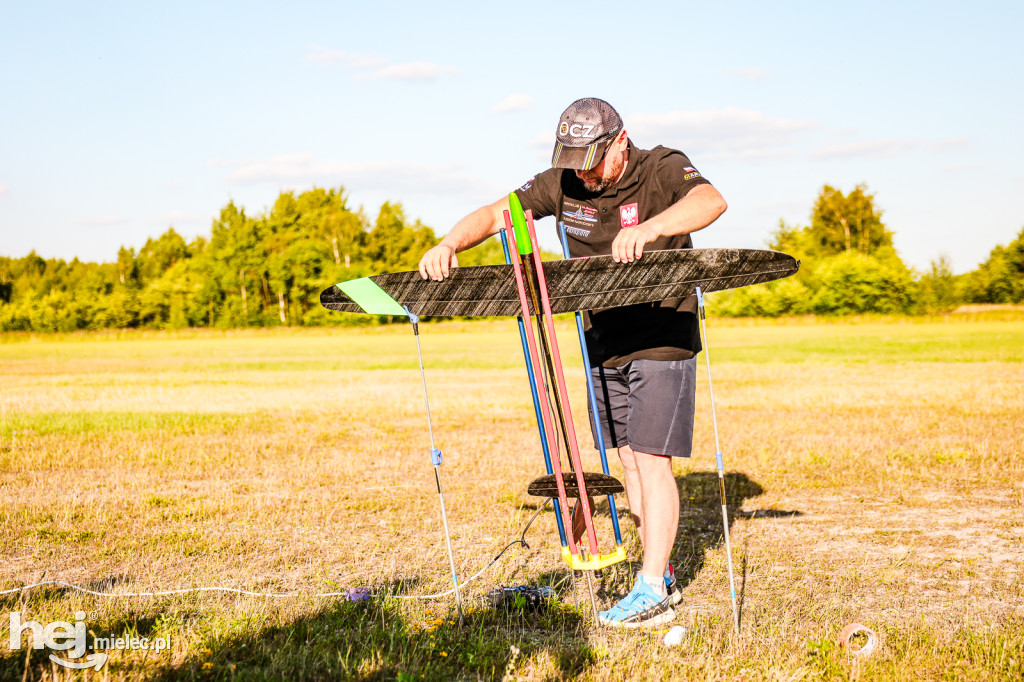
[(279, 595)]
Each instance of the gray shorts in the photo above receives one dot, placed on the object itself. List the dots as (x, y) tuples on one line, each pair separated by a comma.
[(648, 405)]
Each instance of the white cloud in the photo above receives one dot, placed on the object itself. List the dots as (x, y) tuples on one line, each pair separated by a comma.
[(786, 206), (4, 190), (103, 220), (398, 177), (412, 71), (732, 131), (755, 155), (749, 74), (967, 168), (517, 101), (370, 66), (180, 217), (868, 149), (952, 143), (543, 140), (350, 60), (884, 148)]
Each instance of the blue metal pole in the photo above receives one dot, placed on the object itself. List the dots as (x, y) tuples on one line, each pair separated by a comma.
[(545, 448), (592, 395)]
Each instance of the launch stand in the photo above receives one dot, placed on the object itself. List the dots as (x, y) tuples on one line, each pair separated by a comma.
[(551, 406)]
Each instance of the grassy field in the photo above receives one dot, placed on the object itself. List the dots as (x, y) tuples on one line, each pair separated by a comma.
[(876, 474)]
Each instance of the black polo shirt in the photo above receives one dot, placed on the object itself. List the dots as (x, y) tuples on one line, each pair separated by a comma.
[(653, 180)]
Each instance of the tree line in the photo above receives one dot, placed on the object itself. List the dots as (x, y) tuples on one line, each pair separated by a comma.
[(269, 270), (849, 265), (264, 270)]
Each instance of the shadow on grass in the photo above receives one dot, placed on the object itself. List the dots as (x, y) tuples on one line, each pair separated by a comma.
[(332, 640), (700, 516), (29, 663), (700, 530), (373, 640)]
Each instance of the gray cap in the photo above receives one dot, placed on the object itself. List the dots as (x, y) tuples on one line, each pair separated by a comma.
[(584, 130)]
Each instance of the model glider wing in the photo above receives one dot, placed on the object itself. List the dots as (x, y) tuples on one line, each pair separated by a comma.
[(592, 283), (575, 284), (478, 291)]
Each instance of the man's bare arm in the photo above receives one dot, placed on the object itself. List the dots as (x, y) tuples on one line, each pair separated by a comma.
[(487, 220), (695, 211)]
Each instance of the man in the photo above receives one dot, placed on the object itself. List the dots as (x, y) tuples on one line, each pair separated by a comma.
[(614, 198)]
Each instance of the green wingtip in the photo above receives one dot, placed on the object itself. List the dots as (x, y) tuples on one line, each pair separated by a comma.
[(523, 243), (365, 293)]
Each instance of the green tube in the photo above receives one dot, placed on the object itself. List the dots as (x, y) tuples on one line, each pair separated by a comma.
[(519, 225)]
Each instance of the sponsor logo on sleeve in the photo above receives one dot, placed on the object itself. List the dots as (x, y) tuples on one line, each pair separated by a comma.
[(527, 184), (690, 173), (629, 215)]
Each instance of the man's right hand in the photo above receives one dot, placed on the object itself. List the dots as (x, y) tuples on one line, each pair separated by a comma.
[(437, 263)]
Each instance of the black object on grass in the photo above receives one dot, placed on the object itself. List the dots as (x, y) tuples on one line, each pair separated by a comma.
[(521, 597)]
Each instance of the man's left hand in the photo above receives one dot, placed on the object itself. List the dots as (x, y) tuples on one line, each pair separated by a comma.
[(629, 243)]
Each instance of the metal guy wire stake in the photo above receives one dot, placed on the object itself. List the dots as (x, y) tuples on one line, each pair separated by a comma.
[(721, 466), (435, 458)]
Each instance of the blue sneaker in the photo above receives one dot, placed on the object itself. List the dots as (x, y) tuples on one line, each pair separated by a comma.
[(641, 607)]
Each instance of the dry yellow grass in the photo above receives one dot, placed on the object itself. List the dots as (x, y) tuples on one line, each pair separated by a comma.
[(886, 492)]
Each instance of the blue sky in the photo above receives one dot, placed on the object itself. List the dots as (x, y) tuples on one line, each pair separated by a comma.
[(122, 119)]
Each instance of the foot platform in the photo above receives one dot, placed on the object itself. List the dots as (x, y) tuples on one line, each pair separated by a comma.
[(596, 483), (595, 563)]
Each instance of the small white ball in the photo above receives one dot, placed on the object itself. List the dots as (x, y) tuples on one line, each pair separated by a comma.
[(674, 637)]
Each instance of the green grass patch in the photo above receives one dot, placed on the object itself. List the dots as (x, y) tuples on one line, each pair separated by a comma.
[(869, 343), (72, 423), (494, 344)]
